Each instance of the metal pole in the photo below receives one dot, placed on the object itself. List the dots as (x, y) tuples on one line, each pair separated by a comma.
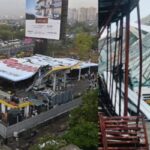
[(127, 63), (120, 61), (54, 82), (110, 55), (140, 61), (79, 75), (107, 63), (114, 62)]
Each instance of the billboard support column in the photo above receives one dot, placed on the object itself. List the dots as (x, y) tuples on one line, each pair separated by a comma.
[(41, 46), (64, 20)]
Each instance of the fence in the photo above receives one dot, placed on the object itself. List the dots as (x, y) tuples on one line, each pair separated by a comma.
[(8, 131)]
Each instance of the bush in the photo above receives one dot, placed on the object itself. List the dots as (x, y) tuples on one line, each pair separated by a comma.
[(83, 123)]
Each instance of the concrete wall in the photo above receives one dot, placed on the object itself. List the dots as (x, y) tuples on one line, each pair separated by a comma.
[(6, 132)]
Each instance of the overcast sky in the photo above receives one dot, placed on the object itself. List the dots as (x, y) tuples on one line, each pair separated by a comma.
[(17, 7)]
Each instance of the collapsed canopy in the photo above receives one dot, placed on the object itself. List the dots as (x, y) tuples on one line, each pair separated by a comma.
[(18, 69)]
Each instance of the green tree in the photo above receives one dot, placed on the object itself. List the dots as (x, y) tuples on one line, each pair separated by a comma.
[(8, 32), (83, 43), (83, 123), (81, 27), (5, 34), (87, 111), (83, 130), (94, 42), (19, 34), (84, 135), (5, 27)]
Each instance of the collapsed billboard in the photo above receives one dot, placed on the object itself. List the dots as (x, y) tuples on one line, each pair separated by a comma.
[(43, 18)]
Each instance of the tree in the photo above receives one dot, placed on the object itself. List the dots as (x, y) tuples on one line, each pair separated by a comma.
[(5, 27), (19, 34), (88, 110), (79, 27), (8, 32), (5, 34), (84, 135), (83, 123), (83, 43), (94, 42), (83, 130)]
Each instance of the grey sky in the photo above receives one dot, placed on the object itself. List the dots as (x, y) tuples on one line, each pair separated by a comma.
[(12, 7), (17, 7)]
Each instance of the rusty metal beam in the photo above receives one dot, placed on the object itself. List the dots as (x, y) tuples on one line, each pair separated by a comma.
[(140, 59), (108, 21), (127, 63), (114, 62), (107, 65), (120, 61), (122, 132)]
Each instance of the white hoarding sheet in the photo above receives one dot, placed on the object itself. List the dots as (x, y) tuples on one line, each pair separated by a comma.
[(18, 69), (43, 18)]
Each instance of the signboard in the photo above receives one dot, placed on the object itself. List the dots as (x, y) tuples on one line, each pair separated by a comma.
[(43, 18)]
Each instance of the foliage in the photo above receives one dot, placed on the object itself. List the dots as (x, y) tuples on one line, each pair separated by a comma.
[(81, 27), (94, 42), (83, 123), (5, 34), (88, 110), (8, 32), (84, 135), (69, 47), (49, 143), (83, 43), (5, 27), (19, 34), (83, 130)]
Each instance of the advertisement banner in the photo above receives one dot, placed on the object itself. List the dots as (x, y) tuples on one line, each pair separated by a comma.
[(43, 18)]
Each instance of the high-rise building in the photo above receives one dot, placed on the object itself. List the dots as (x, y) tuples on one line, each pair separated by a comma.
[(73, 15), (91, 13), (82, 14)]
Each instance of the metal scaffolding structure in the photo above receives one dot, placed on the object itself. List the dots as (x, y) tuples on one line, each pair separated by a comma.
[(123, 131)]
